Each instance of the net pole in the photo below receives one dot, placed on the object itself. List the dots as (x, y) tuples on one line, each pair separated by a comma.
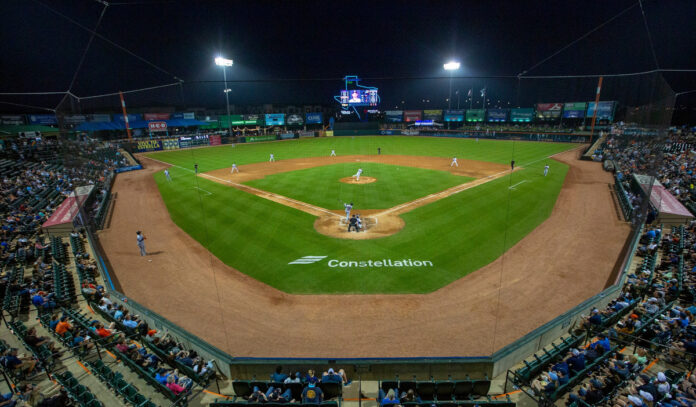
[(596, 107), (125, 115)]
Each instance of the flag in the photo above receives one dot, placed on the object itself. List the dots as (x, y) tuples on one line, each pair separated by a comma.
[(483, 92), (470, 92)]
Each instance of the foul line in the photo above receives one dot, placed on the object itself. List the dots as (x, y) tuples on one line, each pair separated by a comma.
[(258, 192), (201, 189), (521, 182), (437, 196)]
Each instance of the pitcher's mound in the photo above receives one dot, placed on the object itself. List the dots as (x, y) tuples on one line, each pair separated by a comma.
[(363, 180)]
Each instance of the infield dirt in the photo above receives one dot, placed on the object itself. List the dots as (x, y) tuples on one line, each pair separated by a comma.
[(565, 260)]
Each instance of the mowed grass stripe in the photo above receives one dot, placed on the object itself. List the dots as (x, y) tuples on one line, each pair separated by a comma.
[(459, 234), (395, 184), (497, 151)]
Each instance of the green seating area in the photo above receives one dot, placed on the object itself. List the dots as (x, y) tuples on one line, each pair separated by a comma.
[(624, 202), (149, 376), (42, 353), (58, 251), (14, 302), (63, 285), (532, 368), (118, 385), (80, 394), (441, 390)]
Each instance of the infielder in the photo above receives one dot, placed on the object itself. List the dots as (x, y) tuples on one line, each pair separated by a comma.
[(234, 168), (357, 174), (348, 208), (166, 174), (141, 243), (546, 169), (454, 162), (333, 153), (272, 159)]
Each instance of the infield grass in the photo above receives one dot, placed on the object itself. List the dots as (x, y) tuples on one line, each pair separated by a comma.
[(395, 184), (458, 234)]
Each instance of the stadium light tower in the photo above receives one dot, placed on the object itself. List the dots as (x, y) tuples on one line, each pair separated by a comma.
[(224, 63), (451, 67)]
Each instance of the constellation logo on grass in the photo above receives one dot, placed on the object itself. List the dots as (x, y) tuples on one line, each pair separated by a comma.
[(308, 259), (364, 263)]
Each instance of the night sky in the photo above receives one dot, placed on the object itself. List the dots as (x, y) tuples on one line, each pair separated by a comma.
[(297, 51)]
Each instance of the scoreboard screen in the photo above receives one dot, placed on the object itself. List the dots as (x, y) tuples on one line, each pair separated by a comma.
[(359, 97)]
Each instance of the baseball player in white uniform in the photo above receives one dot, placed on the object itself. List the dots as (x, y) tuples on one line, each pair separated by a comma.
[(234, 168), (333, 153), (359, 222), (166, 174), (272, 159), (357, 174), (348, 208), (546, 169), (454, 162)]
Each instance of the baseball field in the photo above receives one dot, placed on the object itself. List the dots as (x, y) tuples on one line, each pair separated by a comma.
[(426, 223)]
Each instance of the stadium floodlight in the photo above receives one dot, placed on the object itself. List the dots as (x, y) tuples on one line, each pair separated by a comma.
[(220, 61), (450, 66), (224, 63)]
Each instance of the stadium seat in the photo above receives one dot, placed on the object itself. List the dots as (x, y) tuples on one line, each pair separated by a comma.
[(445, 390), (242, 388), (463, 389), (426, 390), (481, 387), (331, 390)]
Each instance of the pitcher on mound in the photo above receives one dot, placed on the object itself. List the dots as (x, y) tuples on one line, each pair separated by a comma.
[(357, 174)]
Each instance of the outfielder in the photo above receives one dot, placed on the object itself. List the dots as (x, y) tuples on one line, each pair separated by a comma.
[(546, 169), (454, 162), (357, 174), (348, 208), (272, 159), (234, 168), (333, 153), (166, 174)]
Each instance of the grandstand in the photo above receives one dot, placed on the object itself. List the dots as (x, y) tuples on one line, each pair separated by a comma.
[(554, 265)]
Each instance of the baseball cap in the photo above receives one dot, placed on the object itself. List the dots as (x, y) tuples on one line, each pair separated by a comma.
[(312, 384)]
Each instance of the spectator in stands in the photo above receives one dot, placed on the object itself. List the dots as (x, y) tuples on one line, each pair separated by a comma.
[(388, 399), (42, 302), (331, 376), (410, 396), (312, 394), (293, 378), (276, 395), (33, 340), (311, 378), (63, 326), (278, 376), (257, 396), (576, 361), (13, 362), (173, 386)]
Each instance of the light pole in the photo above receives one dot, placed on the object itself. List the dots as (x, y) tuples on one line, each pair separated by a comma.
[(224, 63), (451, 67)]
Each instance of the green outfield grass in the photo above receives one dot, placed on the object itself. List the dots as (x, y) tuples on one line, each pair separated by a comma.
[(395, 184), (458, 235)]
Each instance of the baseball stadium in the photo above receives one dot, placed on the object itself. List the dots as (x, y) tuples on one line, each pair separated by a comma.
[(284, 218)]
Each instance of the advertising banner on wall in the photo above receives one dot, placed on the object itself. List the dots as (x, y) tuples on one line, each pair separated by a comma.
[(434, 115), (156, 116), (253, 139), (74, 118), (605, 111), (157, 126), (574, 110), (275, 119), (131, 117), (497, 115), (521, 114), (548, 111), (14, 119), (170, 144), (44, 119), (306, 133), (254, 120), (394, 116), (184, 115), (149, 145), (294, 120), (314, 118), (475, 115), (215, 140), (100, 118), (413, 115), (454, 115)]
